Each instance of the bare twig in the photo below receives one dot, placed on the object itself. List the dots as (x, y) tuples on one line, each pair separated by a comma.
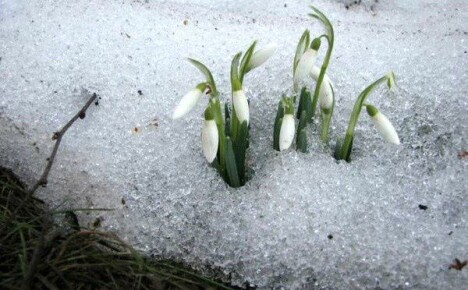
[(42, 182), (58, 138)]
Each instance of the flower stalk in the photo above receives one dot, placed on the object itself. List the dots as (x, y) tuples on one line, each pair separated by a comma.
[(344, 151)]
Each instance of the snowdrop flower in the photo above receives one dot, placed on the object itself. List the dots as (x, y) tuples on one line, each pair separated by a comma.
[(305, 65), (188, 102), (383, 125), (326, 92), (262, 55), (288, 129), (241, 106), (210, 136), (288, 126)]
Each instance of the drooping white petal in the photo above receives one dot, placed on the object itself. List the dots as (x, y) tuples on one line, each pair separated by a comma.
[(262, 55), (287, 131), (187, 103), (326, 92), (241, 106), (385, 128), (305, 65), (210, 140)]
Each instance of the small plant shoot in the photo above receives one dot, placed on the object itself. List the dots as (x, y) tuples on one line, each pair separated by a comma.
[(383, 125), (225, 135), (304, 68), (324, 96)]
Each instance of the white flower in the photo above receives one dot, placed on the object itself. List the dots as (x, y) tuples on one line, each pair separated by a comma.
[(262, 55), (305, 65), (188, 102), (326, 92), (241, 106), (383, 125), (210, 139), (287, 131)]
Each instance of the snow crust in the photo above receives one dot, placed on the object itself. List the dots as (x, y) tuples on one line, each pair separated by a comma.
[(303, 220)]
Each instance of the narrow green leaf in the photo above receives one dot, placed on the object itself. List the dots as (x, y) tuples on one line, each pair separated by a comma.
[(240, 149), (301, 137), (337, 151), (244, 65), (205, 71), (302, 121), (302, 141), (302, 45), (227, 115), (348, 154), (234, 125), (235, 81), (277, 125), (308, 105), (231, 166), (302, 100)]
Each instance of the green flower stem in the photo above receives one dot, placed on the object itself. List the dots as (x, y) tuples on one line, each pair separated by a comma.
[(218, 114), (209, 77), (330, 39), (244, 64), (348, 141)]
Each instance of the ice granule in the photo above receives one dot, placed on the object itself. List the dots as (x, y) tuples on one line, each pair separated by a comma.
[(304, 220)]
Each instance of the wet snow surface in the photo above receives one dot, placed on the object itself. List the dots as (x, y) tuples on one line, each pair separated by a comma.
[(394, 217)]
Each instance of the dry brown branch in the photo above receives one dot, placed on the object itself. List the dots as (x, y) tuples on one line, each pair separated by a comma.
[(57, 136)]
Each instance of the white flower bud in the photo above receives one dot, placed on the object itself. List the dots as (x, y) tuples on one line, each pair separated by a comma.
[(287, 131), (262, 55), (241, 106), (305, 65), (188, 102), (326, 92), (383, 125), (210, 140)]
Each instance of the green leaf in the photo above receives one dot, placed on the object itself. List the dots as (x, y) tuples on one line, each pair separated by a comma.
[(240, 149), (302, 121), (337, 152), (302, 100), (348, 154), (227, 125), (301, 137), (302, 141), (308, 105), (235, 81), (277, 125), (244, 66), (231, 166), (302, 45), (205, 71)]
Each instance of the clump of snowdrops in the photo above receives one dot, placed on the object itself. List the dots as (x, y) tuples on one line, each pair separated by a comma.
[(225, 133), (285, 131), (225, 137)]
